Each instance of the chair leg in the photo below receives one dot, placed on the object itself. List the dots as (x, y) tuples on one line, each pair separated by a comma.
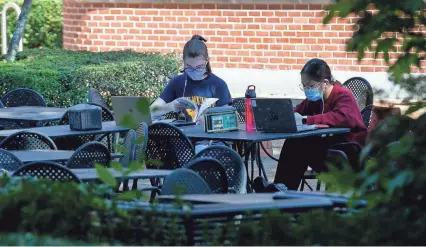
[(302, 186), (318, 185)]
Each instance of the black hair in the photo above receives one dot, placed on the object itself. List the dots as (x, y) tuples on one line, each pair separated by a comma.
[(195, 47), (318, 70)]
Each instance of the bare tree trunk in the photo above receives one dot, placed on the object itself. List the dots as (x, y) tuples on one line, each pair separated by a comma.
[(18, 32)]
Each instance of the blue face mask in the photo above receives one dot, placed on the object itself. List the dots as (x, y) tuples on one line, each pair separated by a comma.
[(196, 75), (313, 94)]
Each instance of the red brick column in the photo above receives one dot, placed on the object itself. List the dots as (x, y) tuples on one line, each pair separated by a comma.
[(256, 34)]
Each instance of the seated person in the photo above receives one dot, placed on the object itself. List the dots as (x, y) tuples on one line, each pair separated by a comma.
[(196, 83), (326, 103)]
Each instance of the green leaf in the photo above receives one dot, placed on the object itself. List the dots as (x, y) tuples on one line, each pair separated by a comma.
[(385, 46), (413, 108), (105, 176), (128, 121), (130, 195), (142, 105), (140, 140), (399, 181), (116, 165), (402, 65), (134, 166)]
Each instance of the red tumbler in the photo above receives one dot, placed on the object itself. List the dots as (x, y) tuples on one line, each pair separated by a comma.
[(250, 94)]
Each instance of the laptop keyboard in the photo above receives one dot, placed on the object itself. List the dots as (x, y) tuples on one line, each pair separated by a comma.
[(305, 127)]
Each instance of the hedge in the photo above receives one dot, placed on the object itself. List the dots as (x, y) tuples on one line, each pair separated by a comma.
[(64, 77), (44, 24)]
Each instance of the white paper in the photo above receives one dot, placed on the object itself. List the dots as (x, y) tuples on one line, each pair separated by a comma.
[(203, 108)]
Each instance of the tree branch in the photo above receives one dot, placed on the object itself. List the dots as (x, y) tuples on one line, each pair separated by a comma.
[(19, 31)]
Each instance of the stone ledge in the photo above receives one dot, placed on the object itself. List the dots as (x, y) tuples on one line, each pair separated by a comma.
[(214, 1)]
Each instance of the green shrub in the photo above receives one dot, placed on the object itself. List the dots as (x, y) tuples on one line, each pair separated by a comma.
[(64, 77), (44, 24), (28, 239), (78, 212)]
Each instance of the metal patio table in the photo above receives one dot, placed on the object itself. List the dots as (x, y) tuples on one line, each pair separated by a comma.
[(34, 115), (339, 200), (90, 174), (65, 131), (195, 217), (251, 141), (27, 156)]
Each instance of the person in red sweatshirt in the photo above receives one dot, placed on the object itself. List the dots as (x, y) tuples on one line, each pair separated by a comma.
[(326, 103)]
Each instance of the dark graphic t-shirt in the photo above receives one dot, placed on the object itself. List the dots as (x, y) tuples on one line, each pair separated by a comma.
[(197, 91)]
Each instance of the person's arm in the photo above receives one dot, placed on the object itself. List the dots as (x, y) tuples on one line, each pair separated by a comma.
[(160, 107), (165, 103), (223, 94), (302, 107), (343, 115)]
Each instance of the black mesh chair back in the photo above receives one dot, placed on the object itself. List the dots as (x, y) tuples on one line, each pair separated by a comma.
[(366, 114), (128, 148), (47, 170), (27, 140), (73, 142), (96, 97), (234, 165), (107, 139), (168, 145), (88, 155), (141, 141), (23, 97), (8, 161), (8, 124), (361, 89), (184, 181), (240, 105), (106, 113), (212, 171)]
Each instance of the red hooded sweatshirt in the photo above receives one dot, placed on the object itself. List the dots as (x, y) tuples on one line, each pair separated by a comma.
[(340, 110)]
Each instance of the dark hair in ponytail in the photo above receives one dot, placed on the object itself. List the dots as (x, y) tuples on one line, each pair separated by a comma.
[(195, 47), (318, 70)]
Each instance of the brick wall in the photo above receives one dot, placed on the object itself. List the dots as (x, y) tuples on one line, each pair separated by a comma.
[(240, 35)]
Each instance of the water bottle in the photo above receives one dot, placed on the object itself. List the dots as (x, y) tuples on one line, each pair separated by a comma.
[(250, 94)]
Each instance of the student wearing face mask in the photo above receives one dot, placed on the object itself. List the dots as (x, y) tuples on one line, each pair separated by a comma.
[(196, 83), (326, 103)]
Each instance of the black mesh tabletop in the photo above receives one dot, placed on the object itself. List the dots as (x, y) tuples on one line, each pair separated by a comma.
[(90, 174), (197, 132), (32, 113), (64, 130), (26, 156)]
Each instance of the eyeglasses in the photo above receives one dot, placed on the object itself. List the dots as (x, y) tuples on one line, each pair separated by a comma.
[(303, 88), (198, 69)]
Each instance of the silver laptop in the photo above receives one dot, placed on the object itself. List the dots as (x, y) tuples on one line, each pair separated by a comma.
[(137, 107)]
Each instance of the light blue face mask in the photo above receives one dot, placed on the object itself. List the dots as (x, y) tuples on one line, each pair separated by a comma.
[(313, 94), (197, 74)]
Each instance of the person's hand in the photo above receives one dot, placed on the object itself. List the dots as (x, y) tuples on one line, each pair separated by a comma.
[(298, 118)]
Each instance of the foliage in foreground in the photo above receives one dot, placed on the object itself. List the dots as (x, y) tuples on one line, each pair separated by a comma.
[(76, 213), (64, 77)]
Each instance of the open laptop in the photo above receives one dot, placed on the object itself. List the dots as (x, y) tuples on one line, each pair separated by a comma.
[(127, 104), (276, 115)]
